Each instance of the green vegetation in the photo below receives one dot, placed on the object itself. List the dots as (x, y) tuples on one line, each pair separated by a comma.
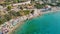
[(8, 0), (32, 12), (38, 6), (58, 4), (32, 0), (18, 14), (21, 1), (15, 1), (21, 8), (2, 20), (18, 1), (9, 8), (7, 3), (24, 12), (7, 17), (13, 14), (21, 13)]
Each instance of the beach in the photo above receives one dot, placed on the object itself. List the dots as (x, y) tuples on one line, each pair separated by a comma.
[(13, 24), (13, 15), (18, 25), (45, 24), (38, 14)]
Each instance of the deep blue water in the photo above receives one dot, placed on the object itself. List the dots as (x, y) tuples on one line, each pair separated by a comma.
[(45, 24)]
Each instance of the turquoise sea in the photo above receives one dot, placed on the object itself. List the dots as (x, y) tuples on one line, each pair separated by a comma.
[(45, 24)]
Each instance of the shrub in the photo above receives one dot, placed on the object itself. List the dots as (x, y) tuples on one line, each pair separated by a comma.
[(9, 8), (38, 6), (7, 17), (32, 12), (2, 20), (24, 12)]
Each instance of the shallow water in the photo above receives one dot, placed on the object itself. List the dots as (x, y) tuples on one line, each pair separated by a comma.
[(45, 24)]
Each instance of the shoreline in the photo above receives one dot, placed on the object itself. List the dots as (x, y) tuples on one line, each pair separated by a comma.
[(20, 23), (13, 29)]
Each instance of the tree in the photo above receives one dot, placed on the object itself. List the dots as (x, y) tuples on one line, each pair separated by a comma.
[(32, 0), (13, 13), (18, 14), (9, 8), (15, 1), (26, 12), (6, 3), (21, 12), (2, 20), (8, 0), (32, 12), (7, 17), (21, 8), (38, 6)]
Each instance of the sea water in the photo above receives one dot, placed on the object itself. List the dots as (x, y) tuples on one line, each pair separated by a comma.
[(45, 24)]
